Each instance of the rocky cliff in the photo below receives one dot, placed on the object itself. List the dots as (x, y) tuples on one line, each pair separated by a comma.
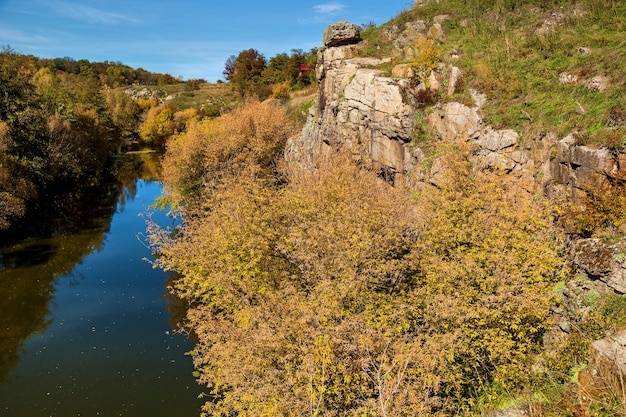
[(379, 116), (375, 116)]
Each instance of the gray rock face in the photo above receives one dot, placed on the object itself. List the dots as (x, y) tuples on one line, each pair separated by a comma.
[(358, 110), (145, 93), (497, 140), (603, 261), (580, 167), (374, 118), (497, 149), (341, 33), (609, 353), (606, 370)]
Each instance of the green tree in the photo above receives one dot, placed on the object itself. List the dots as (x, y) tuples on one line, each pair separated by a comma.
[(124, 113), (284, 68), (248, 70), (277, 70)]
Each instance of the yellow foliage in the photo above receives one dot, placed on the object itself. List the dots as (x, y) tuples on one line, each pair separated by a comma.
[(248, 139), (183, 117), (280, 91), (331, 292), (602, 211), (147, 103), (5, 139), (159, 125), (487, 261), (427, 56)]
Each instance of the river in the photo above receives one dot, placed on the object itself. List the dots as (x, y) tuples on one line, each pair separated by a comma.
[(86, 325)]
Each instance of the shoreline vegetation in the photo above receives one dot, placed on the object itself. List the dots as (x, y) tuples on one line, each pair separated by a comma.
[(329, 291)]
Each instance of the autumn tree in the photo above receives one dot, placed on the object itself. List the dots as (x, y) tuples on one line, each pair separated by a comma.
[(329, 292), (229, 67), (124, 113), (158, 125), (78, 141), (248, 70)]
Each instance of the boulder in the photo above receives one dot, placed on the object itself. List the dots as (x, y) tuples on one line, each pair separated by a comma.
[(597, 83), (608, 356), (436, 32), (603, 261), (402, 71), (581, 166), (606, 371), (480, 99), (455, 121), (455, 80), (593, 256), (568, 78), (341, 33), (497, 140)]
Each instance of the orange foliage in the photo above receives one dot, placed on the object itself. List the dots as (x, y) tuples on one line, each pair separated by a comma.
[(248, 139), (330, 292)]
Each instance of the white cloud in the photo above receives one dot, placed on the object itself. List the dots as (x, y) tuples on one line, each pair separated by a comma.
[(329, 8), (323, 13), (16, 36), (89, 14)]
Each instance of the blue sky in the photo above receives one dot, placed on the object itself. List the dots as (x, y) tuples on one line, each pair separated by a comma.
[(183, 37)]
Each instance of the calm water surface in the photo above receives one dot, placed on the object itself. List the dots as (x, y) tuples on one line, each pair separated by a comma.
[(85, 324)]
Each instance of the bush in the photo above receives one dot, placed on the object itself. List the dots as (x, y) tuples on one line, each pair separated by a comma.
[(158, 126), (427, 56), (487, 261), (281, 91), (248, 139), (335, 292)]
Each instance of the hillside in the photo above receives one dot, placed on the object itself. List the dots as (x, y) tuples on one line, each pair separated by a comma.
[(544, 66), (443, 237)]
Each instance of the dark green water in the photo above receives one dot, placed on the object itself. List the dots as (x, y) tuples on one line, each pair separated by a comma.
[(85, 324)]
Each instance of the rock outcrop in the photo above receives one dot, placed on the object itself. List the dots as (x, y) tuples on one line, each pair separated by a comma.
[(606, 373), (377, 119), (373, 116), (602, 260), (145, 93), (362, 110), (341, 33), (358, 110), (580, 167)]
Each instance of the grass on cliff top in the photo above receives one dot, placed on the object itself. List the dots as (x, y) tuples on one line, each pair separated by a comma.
[(515, 50)]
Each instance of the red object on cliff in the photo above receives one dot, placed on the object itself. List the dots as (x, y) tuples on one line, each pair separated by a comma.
[(306, 67)]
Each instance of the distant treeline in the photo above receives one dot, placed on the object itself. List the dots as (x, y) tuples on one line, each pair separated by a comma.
[(60, 122), (250, 71), (109, 73)]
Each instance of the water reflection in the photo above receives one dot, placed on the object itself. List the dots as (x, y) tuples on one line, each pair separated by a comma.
[(85, 312), (23, 311)]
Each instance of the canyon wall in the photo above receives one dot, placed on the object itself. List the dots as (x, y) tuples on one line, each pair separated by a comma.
[(381, 117)]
